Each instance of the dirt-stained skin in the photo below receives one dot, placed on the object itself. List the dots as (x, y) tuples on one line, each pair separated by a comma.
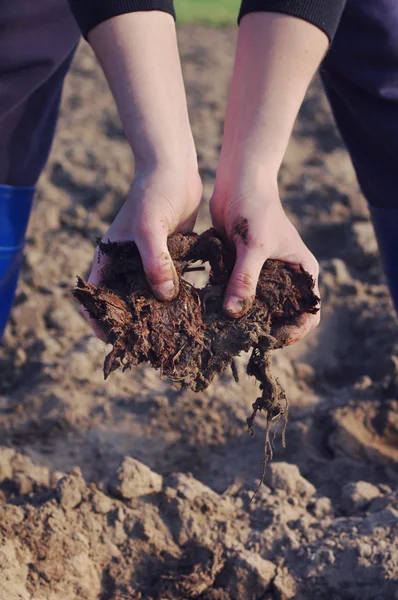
[(245, 304), (240, 230)]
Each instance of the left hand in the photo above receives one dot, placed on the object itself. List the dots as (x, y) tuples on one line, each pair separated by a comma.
[(268, 233)]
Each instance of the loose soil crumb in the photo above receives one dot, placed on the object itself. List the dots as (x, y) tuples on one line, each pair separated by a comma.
[(191, 339)]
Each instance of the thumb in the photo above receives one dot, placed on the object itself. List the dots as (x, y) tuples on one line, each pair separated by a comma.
[(242, 284), (158, 265)]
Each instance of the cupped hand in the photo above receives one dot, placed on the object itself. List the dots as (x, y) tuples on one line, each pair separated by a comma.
[(161, 202), (260, 229)]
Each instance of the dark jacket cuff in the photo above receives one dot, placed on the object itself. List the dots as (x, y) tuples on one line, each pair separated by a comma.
[(324, 14), (89, 13)]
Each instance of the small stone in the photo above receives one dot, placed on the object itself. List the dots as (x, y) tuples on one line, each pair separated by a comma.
[(102, 504), (365, 550), (363, 383), (25, 483), (284, 585), (247, 575), (191, 489), (320, 507), (70, 489), (356, 496), (134, 479), (170, 493), (287, 477)]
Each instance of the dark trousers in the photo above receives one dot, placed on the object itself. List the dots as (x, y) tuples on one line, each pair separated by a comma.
[(360, 74), (37, 42)]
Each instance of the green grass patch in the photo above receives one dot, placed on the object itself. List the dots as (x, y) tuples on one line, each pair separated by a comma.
[(209, 12)]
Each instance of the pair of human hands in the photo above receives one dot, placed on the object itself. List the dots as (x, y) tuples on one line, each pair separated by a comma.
[(162, 202), (276, 58)]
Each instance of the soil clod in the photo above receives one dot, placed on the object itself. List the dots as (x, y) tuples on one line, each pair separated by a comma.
[(191, 339)]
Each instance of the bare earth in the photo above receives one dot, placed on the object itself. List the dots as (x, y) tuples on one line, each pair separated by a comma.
[(132, 490)]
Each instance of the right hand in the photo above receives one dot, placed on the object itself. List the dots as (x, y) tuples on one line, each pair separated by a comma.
[(161, 202)]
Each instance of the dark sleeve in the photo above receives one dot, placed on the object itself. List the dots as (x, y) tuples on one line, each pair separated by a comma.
[(89, 13), (324, 14)]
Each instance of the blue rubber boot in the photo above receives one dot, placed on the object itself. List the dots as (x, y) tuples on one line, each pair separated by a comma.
[(385, 222), (15, 207)]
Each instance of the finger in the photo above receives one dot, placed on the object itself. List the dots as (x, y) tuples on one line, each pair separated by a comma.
[(158, 265), (95, 278), (242, 284), (97, 268), (310, 264), (291, 334)]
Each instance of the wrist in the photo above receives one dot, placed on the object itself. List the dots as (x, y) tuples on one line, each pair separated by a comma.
[(182, 167), (176, 156), (240, 176), (169, 177), (248, 156)]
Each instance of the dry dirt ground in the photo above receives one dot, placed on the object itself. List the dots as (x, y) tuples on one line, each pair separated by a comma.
[(131, 490)]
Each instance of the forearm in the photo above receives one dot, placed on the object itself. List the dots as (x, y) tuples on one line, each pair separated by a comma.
[(276, 58), (139, 55)]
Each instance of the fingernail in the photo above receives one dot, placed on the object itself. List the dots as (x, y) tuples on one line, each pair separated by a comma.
[(165, 290), (235, 306)]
